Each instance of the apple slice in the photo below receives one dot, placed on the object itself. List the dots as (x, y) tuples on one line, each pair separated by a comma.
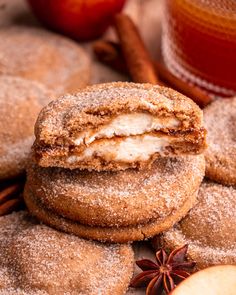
[(215, 280)]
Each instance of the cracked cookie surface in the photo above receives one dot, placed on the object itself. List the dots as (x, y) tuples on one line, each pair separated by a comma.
[(38, 260), (39, 55), (117, 126), (209, 227), (220, 122), (17, 97), (115, 206)]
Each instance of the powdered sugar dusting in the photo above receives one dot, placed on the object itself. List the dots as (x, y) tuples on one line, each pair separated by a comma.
[(118, 198), (220, 122), (43, 56), (209, 228), (15, 158), (96, 104), (203, 255), (215, 214), (36, 259), (20, 102)]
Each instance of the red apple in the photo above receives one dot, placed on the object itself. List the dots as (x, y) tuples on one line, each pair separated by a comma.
[(79, 19), (214, 280)]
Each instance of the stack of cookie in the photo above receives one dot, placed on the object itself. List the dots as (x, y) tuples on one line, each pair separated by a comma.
[(209, 228), (116, 162)]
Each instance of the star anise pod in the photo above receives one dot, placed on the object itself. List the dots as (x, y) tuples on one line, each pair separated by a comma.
[(165, 274)]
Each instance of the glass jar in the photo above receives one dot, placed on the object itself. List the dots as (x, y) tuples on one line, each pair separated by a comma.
[(199, 43)]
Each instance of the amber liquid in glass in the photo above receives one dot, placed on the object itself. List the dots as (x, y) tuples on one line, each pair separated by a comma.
[(199, 43)]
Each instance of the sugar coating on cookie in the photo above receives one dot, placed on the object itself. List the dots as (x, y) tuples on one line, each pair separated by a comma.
[(37, 54), (37, 260), (115, 206), (20, 102), (116, 126), (210, 227), (220, 122)]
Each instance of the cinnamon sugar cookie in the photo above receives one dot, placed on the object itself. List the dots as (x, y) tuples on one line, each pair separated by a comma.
[(115, 206), (20, 102), (37, 260), (220, 121), (15, 12), (116, 126), (37, 54), (210, 227)]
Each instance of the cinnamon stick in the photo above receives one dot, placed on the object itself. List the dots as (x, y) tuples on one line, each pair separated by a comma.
[(10, 191), (195, 93), (110, 54), (10, 206), (138, 60)]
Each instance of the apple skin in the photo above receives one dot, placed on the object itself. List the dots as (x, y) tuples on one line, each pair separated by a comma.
[(79, 19), (217, 279)]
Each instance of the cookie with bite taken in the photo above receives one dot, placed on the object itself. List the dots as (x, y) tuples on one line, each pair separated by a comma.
[(117, 126)]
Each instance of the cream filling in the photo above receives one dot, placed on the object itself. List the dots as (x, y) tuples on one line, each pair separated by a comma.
[(127, 125), (130, 149)]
